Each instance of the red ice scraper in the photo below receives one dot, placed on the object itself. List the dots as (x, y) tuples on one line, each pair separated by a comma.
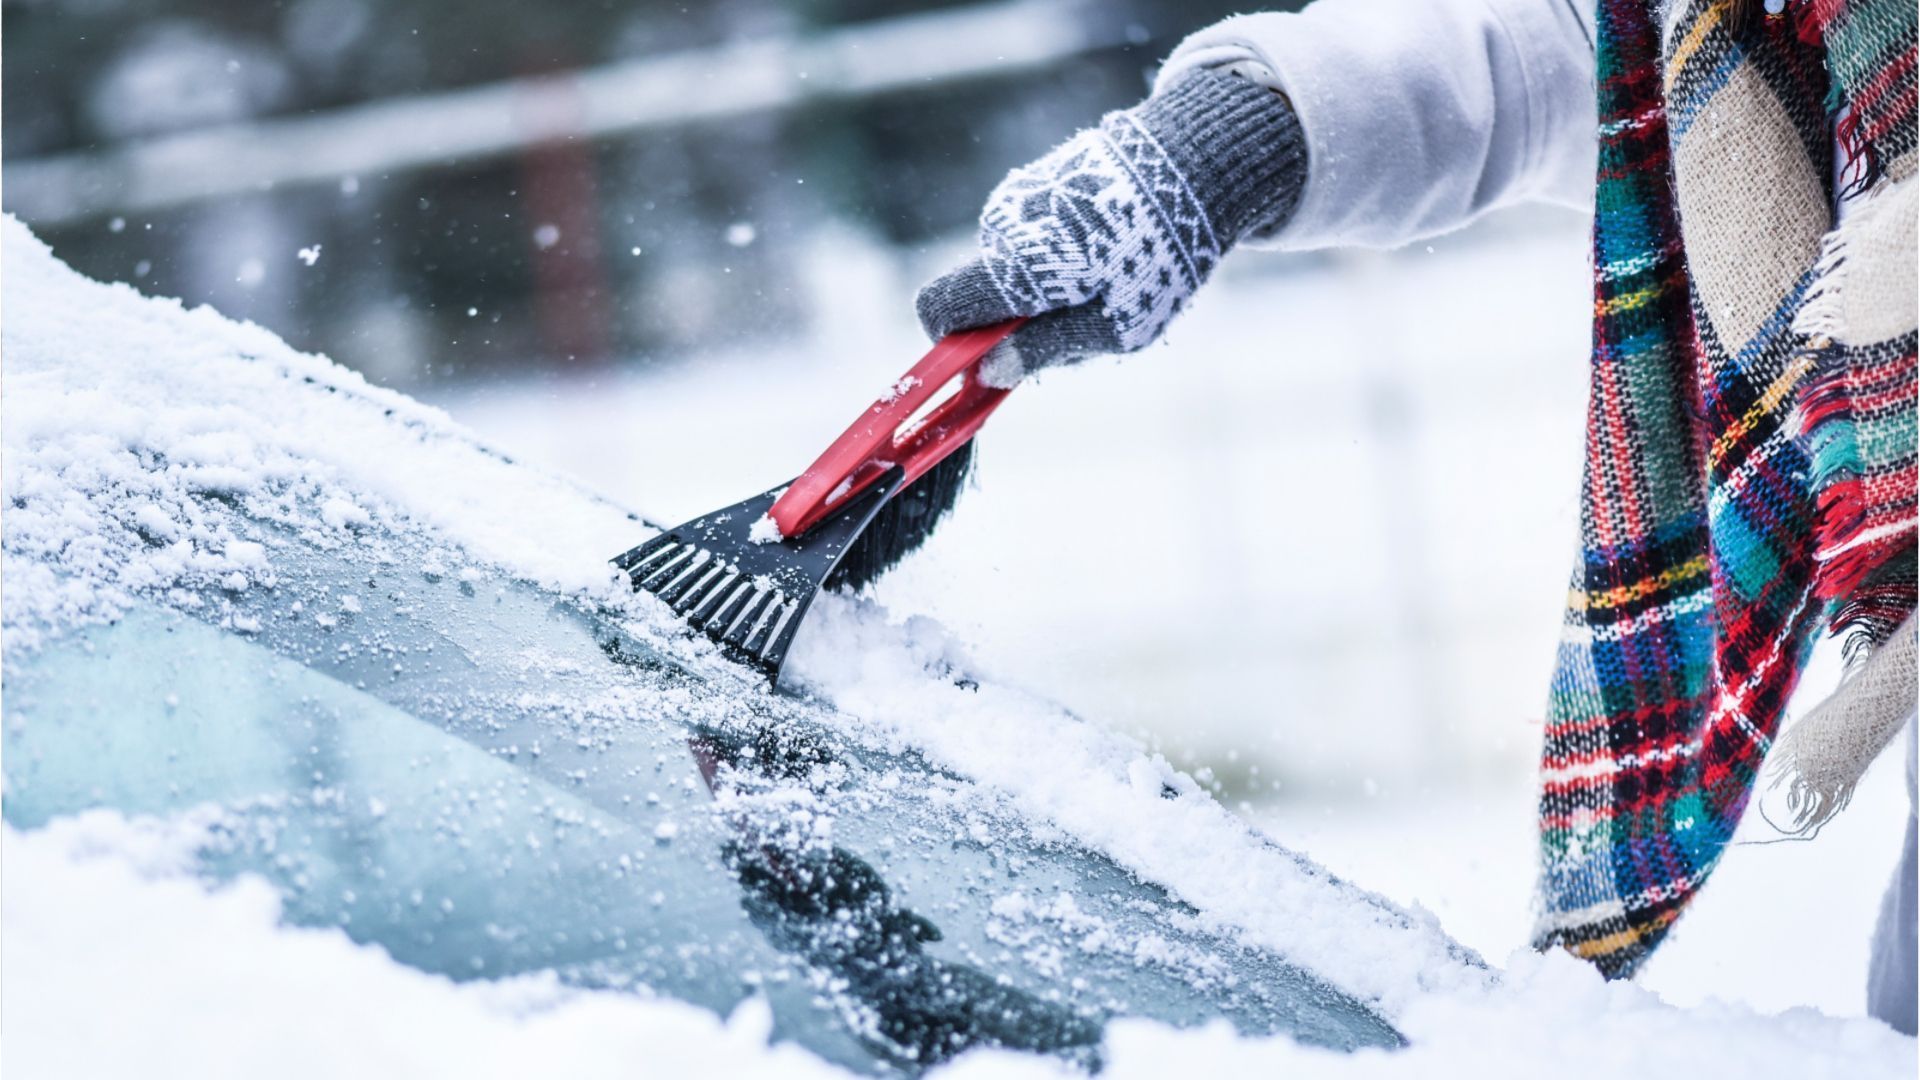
[(745, 574)]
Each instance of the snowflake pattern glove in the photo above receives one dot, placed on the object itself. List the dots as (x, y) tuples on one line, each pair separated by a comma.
[(1103, 240)]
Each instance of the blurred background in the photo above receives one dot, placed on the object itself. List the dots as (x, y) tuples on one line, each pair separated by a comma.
[(599, 183), (1313, 548)]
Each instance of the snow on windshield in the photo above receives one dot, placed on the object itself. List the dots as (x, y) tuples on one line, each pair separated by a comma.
[(316, 1005), (126, 412), (124, 415)]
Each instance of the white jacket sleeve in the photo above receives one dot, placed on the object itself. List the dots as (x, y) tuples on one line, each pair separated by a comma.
[(1420, 115)]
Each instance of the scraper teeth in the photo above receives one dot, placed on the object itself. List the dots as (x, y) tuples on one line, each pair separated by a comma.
[(782, 638), (714, 579), (751, 619), (756, 641), (645, 553), (647, 561), (690, 575), (639, 575), (770, 630), (657, 573), (717, 614)]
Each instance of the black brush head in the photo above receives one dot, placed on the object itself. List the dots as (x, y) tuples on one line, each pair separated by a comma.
[(750, 595), (903, 523)]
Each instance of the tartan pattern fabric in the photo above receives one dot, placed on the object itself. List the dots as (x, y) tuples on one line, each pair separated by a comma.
[(1859, 420), (1858, 410), (1695, 600), (1870, 45)]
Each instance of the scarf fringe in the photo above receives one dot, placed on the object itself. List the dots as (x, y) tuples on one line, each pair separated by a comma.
[(1851, 543), (1871, 615), (1821, 759), (1822, 314)]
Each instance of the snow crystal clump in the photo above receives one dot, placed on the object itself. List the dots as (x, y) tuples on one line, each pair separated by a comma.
[(764, 531)]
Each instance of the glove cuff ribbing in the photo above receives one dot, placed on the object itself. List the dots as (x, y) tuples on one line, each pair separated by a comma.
[(1238, 144)]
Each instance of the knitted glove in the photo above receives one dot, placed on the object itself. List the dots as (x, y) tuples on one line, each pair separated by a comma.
[(1103, 240)]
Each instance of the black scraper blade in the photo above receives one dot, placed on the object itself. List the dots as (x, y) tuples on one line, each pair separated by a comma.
[(745, 594)]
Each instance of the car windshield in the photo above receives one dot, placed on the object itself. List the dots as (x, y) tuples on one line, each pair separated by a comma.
[(487, 778)]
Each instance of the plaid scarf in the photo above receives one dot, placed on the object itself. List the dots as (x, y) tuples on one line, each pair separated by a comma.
[(1749, 478)]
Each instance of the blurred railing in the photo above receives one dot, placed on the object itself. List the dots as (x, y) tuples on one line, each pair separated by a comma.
[(476, 123)]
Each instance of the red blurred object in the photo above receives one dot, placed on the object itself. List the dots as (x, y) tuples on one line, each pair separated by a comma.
[(900, 430)]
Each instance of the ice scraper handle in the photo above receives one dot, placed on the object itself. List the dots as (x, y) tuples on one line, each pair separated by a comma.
[(929, 413)]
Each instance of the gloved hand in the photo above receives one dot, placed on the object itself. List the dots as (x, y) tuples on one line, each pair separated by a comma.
[(1105, 238)]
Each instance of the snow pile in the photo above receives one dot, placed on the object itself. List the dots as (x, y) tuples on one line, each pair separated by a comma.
[(1112, 794), (123, 413), (1555, 1017), (118, 965), (102, 925)]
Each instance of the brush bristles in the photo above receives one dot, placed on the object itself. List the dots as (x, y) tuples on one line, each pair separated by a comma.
[(904, 523)]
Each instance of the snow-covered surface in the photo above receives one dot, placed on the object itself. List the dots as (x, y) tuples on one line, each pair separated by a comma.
[(122, 413), (1108, 791), (104, 383), (118, 964)]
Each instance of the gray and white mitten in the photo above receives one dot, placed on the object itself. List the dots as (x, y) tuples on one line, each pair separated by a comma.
[(1104, 239)]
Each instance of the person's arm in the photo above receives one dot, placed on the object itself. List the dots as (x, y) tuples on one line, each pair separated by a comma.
[(1368, 122), (1419, 116)]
